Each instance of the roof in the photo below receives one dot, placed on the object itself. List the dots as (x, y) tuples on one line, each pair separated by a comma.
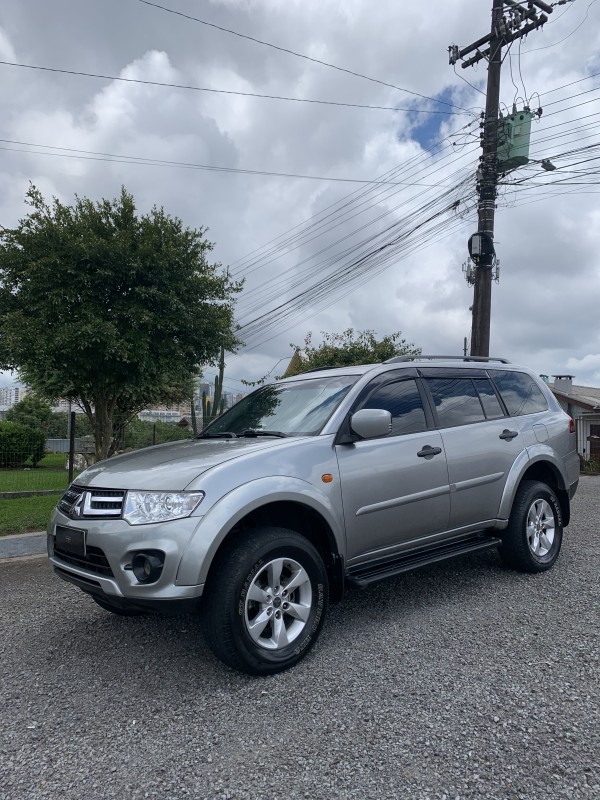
[(581, 395), (295, 364)]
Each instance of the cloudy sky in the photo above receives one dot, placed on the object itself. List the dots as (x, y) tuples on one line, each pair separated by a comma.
[(336, 215)]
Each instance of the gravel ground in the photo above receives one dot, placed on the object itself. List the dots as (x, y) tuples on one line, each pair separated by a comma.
[(463, 680)]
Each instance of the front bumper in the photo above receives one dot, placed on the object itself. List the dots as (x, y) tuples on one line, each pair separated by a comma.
[(110, 544)]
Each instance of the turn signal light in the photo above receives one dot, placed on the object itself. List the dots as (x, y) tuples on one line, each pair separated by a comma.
[(571, 425)]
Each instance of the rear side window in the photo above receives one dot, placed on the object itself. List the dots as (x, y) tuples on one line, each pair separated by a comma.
[(489, 400), (456, 401), (403, 400), (520, 392)]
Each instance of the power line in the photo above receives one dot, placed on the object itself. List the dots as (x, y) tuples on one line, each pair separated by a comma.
[(572, 83), (345, 214), (298, 55), (336, 208), (375, 252), (227, 91), (91, 155), (560, 41), (274, 290), (356, 265)]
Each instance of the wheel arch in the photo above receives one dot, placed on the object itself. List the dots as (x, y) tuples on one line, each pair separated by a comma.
[(538, 469), (295, 516), (548, 473)]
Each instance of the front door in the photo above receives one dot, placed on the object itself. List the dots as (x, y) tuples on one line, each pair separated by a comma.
[(395, 488)]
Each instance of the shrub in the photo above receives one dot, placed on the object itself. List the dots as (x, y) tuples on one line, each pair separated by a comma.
[(593, 466), (19, 444)]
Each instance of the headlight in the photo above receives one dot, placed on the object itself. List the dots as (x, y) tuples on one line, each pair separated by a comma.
[(144, 507)]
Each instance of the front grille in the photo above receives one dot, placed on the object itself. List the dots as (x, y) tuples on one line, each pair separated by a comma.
[(78, 502), (94, 560), (70, 498), (103, 503)]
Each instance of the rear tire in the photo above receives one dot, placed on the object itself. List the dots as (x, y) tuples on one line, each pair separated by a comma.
[(265, 602), (533, 538)]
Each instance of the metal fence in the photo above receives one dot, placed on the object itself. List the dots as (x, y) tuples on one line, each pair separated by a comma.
[(20, 477)]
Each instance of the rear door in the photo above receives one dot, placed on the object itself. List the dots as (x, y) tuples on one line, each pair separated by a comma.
[(480, 440), (395, 488)]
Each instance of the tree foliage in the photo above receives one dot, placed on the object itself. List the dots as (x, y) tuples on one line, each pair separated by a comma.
[(20, 444), (348, 348), (142, 433), (58, 425), (31, 411), (112, 309)]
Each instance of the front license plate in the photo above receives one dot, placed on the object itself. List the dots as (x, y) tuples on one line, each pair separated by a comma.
[(70, 540)]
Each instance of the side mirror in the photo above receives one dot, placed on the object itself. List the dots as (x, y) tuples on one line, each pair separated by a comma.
[(371, 423)]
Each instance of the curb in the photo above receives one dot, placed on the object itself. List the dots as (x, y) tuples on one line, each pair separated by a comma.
[(22, 544), (32, 493)]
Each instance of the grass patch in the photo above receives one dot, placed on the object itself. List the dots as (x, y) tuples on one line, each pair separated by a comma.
[(26, 514), (50, 473)]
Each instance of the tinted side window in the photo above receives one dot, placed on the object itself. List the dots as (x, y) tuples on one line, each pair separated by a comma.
[(403, 401), (489, 400), (456, 401), (520, 392)]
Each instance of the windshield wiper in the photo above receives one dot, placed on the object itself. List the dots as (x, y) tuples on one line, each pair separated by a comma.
[(250, 433), (221, 435)]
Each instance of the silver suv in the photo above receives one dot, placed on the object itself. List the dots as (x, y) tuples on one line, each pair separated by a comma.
[(334, 477)]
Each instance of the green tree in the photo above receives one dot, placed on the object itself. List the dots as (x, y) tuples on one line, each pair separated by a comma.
[(20, 443), (348, 348), (58, 425), (137, 433), (31, 411), (109, 308)]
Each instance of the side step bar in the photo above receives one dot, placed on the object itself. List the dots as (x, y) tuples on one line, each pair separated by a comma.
[(374, 571)]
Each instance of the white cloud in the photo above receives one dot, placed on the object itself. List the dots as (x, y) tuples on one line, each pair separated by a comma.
[(7, 51), (544, 310)]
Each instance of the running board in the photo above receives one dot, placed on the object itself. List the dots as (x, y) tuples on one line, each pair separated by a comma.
[(372, 572)]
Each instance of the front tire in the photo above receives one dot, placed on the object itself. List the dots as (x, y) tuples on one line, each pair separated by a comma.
[(533, 538), (266, 601)]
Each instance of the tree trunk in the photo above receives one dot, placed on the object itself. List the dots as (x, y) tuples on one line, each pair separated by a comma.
[(100, 415), (193, 413)]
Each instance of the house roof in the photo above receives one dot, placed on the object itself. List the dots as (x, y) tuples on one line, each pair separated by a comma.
[(295, 364), (581, 395)]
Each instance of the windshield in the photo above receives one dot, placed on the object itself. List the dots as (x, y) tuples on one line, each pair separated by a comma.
[(296, 408)]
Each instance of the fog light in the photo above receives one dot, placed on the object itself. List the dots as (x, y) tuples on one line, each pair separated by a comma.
[(147, 567)]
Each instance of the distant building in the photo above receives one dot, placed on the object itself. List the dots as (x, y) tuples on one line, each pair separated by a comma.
[(64, 405), (160, 415), (9, 395), (582, 403)]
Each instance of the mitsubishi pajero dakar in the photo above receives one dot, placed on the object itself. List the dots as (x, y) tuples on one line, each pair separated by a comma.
[(333, 477)]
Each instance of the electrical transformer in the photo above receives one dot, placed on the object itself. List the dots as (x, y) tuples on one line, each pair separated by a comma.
[(514, 133)]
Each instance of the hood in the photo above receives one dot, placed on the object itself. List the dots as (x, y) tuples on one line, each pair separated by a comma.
[(171, 466)]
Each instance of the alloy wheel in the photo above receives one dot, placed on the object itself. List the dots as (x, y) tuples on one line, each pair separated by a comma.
[(540, 528), (278, 604)]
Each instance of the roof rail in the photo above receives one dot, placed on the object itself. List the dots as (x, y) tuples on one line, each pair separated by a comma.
[(318, 369), (398, 359)]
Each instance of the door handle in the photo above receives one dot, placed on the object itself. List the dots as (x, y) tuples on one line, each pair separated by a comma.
[(508, 435), (428, 450)]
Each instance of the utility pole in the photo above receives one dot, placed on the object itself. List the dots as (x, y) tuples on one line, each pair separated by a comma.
[(510, 21)]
